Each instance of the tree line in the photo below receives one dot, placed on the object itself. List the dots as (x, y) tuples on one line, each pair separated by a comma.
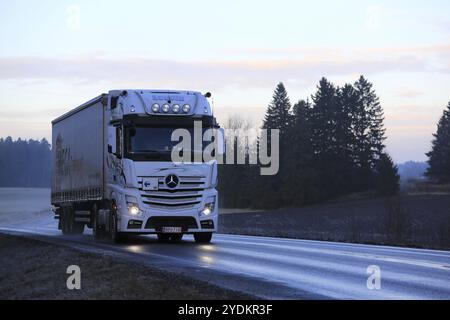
[(24, 163), (330, 145)]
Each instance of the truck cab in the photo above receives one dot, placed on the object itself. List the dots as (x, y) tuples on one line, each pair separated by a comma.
[(143, 190)]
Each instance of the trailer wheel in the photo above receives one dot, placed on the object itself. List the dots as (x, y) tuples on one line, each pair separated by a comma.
[(77, 228), (96, 231), (203, 237), (64, 221), (68, 224), (67, 221)]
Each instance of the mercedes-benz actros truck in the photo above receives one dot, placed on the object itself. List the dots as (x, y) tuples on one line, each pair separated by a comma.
[(113, 168)]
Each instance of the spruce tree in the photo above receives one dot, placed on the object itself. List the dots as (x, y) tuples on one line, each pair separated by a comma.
[(439, 156), (324, 117), (300, 156), (369, 127), (346, 139), (367, 122), (278, 116), (352, 147)]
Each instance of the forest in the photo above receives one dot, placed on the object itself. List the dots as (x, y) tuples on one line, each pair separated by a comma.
[(24, 163), (331, 144)]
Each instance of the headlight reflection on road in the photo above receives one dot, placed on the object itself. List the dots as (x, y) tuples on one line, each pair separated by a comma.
[(135, 249), (207, 259), (208, 247)]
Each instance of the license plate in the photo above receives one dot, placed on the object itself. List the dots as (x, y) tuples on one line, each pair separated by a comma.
[(171, 230)]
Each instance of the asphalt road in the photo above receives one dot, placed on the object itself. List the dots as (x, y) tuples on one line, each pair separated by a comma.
[(275, 268)]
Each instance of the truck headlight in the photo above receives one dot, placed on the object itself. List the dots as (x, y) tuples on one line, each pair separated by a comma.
[(132, 205), (133, 209), (209, 206)]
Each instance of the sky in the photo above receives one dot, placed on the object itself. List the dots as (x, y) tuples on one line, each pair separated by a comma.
[(56, 55)]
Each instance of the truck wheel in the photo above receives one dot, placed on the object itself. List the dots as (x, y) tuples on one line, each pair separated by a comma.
[(116, 236), (203, 237)]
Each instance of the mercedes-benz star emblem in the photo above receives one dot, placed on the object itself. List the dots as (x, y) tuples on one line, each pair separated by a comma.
[(172, 181)]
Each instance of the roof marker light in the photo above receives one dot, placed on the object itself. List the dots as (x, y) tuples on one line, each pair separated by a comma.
[(155, 107), (186, 108), (165, 108), (176, 108)]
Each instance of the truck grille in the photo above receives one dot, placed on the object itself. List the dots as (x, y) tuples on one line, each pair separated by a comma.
[(187, 194)]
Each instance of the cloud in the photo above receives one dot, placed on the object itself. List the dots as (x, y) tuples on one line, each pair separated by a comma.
[(302, 66), (409, 93)]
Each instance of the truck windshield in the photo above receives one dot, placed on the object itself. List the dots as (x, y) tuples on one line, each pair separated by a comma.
[(153, 143)]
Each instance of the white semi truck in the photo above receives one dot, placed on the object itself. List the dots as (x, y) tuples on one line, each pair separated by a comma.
[(113, 172)]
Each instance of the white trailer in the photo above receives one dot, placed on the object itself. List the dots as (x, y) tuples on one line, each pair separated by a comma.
[(113, 171)]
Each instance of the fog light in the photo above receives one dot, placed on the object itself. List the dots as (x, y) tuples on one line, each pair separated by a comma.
[(207, 224), (134, 224)]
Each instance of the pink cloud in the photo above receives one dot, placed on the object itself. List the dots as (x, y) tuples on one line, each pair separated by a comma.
[(306, 66)]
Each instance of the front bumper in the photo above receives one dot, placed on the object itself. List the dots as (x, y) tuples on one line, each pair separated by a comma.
[(152, 220), (155, 222)]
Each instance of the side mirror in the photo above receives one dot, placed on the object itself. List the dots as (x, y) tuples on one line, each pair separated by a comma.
[(112, 140)]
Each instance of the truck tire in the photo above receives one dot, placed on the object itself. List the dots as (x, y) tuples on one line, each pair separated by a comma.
[(115, 236), (203, 237)]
